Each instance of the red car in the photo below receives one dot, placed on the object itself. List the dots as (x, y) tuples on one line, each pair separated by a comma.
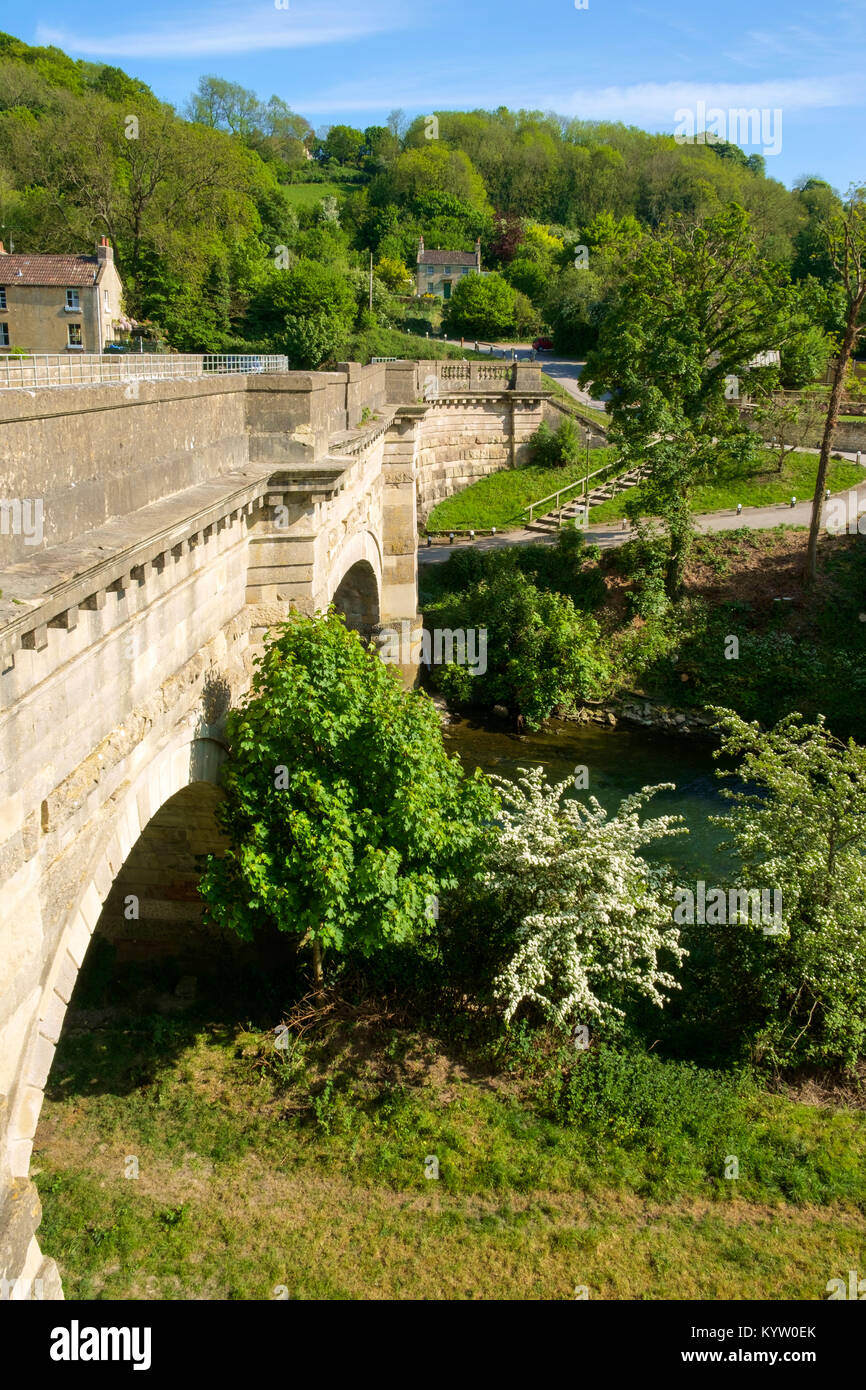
[(543, 344)]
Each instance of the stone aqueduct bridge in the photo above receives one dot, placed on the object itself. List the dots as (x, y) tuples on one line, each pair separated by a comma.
[(181, 519)]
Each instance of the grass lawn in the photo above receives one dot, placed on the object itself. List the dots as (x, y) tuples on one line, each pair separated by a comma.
[(263, 1175), (583, 412), (308, 195), (393, 342), (498, 499), (762, 489)]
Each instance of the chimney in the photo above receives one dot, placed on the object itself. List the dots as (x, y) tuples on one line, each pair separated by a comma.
[(478, 253), (104, 251), (420, 247)]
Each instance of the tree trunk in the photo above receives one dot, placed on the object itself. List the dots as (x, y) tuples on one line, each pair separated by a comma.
[(830, 423), (317, 962)]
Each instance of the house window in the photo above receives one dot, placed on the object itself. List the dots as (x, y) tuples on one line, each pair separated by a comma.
[(105, 299), (466, 269), (4, 335), (2, 296), (429, 269), (72, 299), (446, 270), (74, 334)]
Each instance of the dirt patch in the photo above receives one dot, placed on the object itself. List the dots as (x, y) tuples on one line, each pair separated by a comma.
[(761, 568), (826, 1090)]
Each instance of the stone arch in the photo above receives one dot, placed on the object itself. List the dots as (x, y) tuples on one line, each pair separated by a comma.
[(186, 760), (355, 582)]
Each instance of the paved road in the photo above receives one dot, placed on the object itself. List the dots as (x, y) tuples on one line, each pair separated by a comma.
[(566, 370), (608, 534)]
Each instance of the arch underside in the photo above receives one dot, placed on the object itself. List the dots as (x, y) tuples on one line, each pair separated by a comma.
[(357, 593), (185, 762)]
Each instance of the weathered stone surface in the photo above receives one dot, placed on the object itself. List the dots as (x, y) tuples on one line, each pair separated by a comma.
[(180, 524)]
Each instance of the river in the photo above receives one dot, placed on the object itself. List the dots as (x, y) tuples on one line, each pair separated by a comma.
[(619, 761)]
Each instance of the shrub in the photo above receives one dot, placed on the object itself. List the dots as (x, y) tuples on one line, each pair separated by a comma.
[(639, 1100), (541, 652)]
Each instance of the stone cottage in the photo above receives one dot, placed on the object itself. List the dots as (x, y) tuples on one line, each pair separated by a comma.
[(438, 271), (58, 303)]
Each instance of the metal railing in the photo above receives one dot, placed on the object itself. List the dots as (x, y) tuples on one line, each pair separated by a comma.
[(92, 368), (578, 482)]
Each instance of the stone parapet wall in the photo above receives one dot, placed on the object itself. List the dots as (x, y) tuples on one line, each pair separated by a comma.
[(91, 453)]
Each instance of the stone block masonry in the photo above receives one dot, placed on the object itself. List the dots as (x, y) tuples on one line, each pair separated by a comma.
[(182, 519)]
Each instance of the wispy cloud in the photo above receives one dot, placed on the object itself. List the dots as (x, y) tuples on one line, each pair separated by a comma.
[(657, 101), (644, 103), (231, 30)]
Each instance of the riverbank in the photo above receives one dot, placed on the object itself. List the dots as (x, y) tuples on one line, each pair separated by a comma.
[(748, 633)]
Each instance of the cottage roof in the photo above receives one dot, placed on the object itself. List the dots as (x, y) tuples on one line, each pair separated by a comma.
[(446, 258), (49, 270)]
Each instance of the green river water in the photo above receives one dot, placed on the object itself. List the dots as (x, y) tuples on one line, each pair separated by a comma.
[(619, 761)]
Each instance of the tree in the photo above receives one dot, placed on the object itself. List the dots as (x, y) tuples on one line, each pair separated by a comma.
[(846, 243), (395, 275), (380, 147), (225, 105), (697, 305), (343, 812), (791, 420), (798, 826), (527, 319), (481, 306), (344, 144), (308, 310), (593, 920), (435, 168), (541, 652), (551, 450)]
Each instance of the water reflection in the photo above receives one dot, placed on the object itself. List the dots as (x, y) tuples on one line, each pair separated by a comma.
[(619, 761)]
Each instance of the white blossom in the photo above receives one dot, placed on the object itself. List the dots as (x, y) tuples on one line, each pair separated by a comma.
[(594, 916)]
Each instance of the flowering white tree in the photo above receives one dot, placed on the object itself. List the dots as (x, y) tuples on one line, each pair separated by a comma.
[(594, 917)]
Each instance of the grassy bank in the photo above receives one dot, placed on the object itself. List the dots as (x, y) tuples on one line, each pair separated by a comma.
[(303, 1174), (499, 499), (575, 408), (392, 342), (763, 488)]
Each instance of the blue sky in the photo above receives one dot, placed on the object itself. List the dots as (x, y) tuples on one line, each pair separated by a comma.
[(641, 63)]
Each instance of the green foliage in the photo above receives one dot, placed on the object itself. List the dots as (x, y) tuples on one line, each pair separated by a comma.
[(696, 307), (633, 1099), (542, 444), (541, 651), (569, 567), (343, 812), (308, 312), (799, 826), (481, 306), (805, 358), (563, 449), (344, 144)]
